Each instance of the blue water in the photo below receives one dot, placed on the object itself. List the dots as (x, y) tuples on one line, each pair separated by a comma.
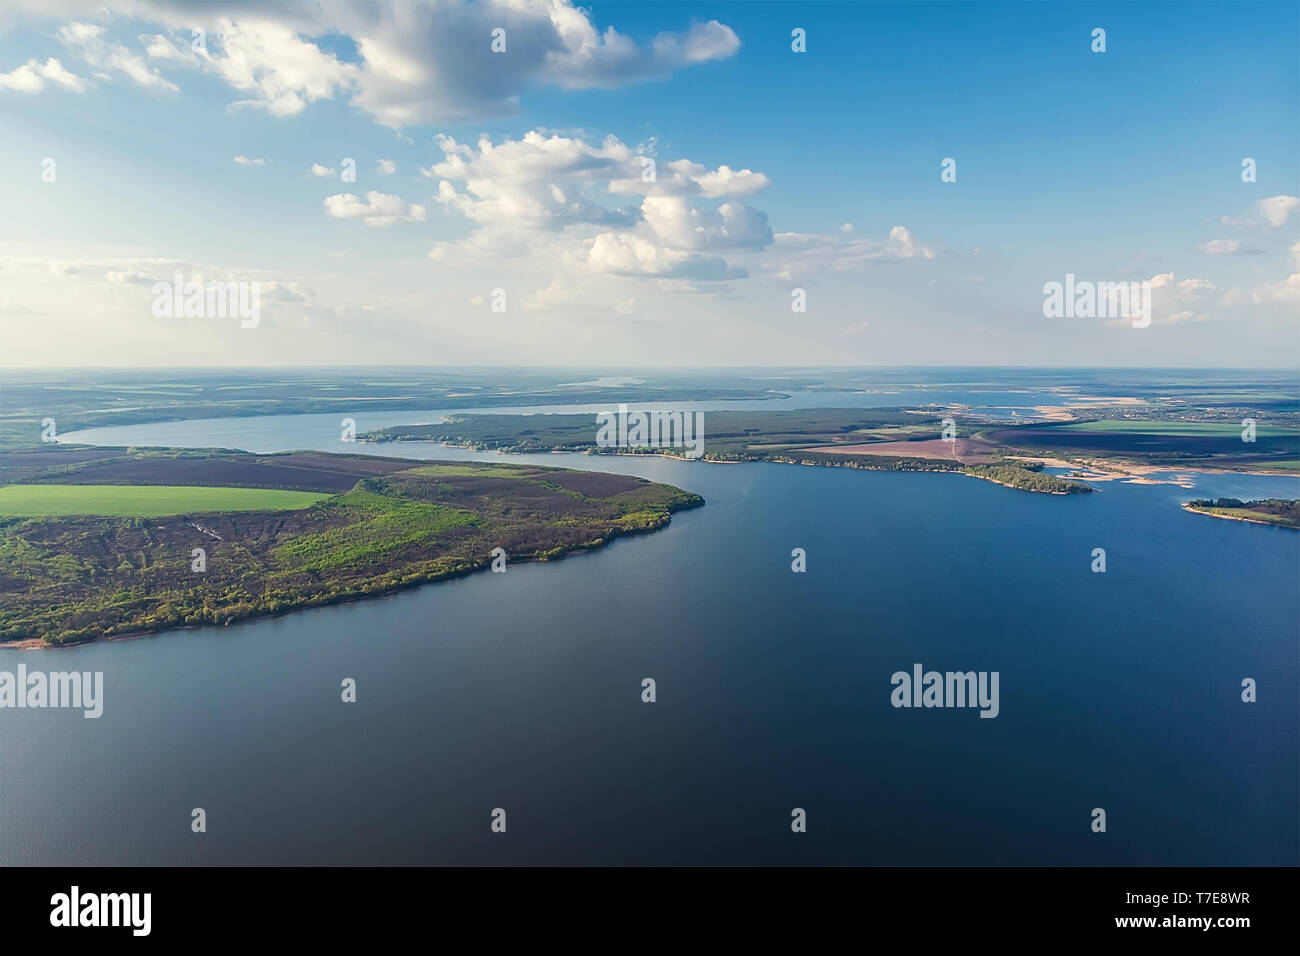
[(522, 691)]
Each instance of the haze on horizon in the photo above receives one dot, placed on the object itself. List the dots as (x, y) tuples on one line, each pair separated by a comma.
[(380, 172)]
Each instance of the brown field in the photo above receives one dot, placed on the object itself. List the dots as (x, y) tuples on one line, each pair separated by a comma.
[(965, 450), (292, 472), (23, 463)]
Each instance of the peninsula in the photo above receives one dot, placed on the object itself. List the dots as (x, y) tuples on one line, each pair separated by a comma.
[(110, 542)]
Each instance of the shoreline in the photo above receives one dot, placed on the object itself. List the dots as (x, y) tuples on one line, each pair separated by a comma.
[(1137, 474), (850, 461), (39, 644)]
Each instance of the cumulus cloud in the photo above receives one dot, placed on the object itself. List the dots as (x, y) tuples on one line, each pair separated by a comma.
[(33, 76), (385, 167), (558, 196), (561, 194), (410, 62), (429, 62), (537, 183), (680, 225), (378, 209), (627, 254), (683, 177), (247, 161), (282, 70), (321, 171)]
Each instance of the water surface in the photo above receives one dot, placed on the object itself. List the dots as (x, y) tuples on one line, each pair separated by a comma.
[(522, 690)]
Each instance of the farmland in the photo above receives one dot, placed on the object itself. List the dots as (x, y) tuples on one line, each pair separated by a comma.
[(1172, 444)]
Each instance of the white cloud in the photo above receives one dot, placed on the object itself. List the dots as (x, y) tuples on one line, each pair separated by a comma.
[(1271, 213), (537, 183), (321, 171), (1176, 301), (378, 209), (1275, 210), (246, 161), (386, 167), (683, 177), (553, 195), (627, 254), (431, 62), (87, 40), (159, 47), (680, 225), (799, 254), (283, 70), (1227, 247), (33, 76)]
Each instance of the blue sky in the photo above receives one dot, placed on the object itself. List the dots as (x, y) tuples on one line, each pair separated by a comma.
[(1122, 165)]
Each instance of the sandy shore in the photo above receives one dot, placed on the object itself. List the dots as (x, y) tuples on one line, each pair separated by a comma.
[(29, 644), (1133, 474)]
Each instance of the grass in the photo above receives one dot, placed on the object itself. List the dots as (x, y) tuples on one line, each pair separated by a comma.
[(30, 501), (1249, 514), (382, 526), (470, 470)]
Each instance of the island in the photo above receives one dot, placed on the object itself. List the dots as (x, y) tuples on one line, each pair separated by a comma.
[(113, 542)]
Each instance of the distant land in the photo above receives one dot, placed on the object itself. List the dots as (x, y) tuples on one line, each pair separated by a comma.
[(909, 440), (1097, 440), (89, 398)]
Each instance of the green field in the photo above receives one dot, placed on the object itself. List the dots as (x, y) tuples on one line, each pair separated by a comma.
[(1116, 426), (33, 501)]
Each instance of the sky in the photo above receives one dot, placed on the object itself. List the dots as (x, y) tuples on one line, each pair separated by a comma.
[(504, 211)]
